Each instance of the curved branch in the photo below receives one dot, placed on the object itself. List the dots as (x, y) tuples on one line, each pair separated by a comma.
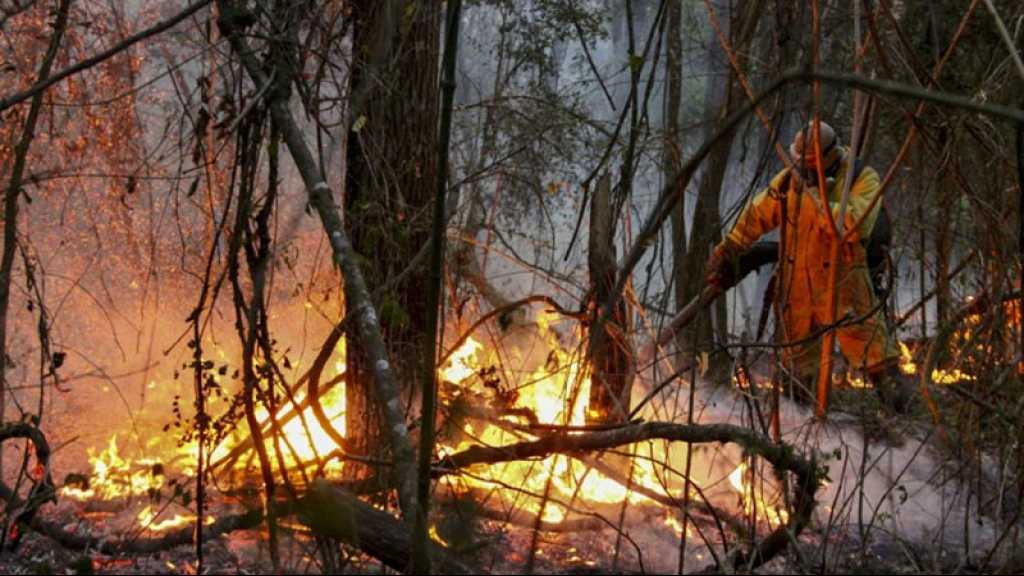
[(23, 512), (502, 312), (782, 457), (313, 395)]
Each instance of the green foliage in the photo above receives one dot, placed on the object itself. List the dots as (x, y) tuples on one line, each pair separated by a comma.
[(392, 315)]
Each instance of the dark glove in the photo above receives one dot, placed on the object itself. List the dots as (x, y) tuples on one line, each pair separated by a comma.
[(720, 267)]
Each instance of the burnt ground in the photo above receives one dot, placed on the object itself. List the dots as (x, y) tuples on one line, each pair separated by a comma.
[(500, 549)]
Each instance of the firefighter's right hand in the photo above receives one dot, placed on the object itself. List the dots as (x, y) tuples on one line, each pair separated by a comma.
[(718, 270)]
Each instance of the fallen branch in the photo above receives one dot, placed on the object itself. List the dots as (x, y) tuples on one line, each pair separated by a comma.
[(781, 456), (477, 408), (525, 519), (67, 537)]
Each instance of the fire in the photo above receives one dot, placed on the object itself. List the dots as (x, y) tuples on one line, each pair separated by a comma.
[(553, 384), (114, 477), (953, 376), (333, 402), (460, 366), (910, 368), (298, 446), (672, 522), (436, 537), (557, 393), (741, 481), (147, 520)]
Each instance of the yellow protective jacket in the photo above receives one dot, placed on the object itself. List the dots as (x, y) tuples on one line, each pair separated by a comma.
[(807, 227), (805, 266)]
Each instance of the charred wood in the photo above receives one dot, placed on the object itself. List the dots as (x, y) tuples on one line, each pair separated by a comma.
[(67, 537), (332, 512)]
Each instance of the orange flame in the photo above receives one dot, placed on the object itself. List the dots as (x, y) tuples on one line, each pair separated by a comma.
[(740, 479), (147, 519), (115, 477)]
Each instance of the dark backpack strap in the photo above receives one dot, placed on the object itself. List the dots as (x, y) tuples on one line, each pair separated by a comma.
[(858, 167), (876, 245)]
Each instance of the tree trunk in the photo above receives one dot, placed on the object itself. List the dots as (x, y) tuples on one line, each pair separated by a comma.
[(946, 202), (611, 353), (672, 156), (389, 179), (723, 96)]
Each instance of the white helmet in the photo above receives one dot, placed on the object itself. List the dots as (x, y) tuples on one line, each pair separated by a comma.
[(803, 151)]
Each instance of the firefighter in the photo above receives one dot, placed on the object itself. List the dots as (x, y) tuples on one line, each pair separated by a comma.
[(804, 269)]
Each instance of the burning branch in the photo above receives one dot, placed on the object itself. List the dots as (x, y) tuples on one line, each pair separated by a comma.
[(780, 455), (940, 344)]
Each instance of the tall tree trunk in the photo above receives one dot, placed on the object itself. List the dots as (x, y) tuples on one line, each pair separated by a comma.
[(724, 95), (945, 202), (389, 178), (672, 156)]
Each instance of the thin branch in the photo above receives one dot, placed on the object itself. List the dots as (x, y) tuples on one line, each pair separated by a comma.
[(1004, 34), (114, 50)]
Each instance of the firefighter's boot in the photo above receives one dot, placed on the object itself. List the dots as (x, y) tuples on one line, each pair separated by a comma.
[(895, 389), (799, 388)]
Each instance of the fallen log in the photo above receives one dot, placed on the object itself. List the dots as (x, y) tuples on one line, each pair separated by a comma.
[(334, 513), (327, 510), (479, 409)]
